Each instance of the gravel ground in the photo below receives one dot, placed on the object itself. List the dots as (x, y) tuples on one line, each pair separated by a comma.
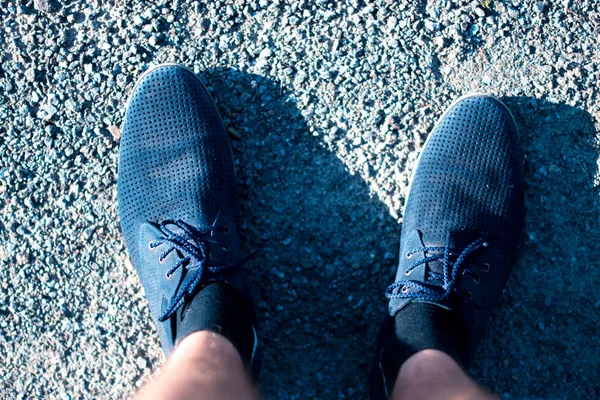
[(328, 104)]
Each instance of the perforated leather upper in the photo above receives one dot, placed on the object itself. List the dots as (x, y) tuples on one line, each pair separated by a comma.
[(468, 185), (175, 163), (470, 175)]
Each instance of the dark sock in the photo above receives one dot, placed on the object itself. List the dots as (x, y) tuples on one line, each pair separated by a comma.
[(416, 327), (220, 308)]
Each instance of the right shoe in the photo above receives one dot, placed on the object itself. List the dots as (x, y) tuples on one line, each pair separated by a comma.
[(462, 225), (178, 208)]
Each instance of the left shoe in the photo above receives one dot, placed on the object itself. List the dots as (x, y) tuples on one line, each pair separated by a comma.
[(179, 212), (462, 226)]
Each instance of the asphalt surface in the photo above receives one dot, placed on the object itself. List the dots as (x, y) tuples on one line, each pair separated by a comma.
[(328, 105)]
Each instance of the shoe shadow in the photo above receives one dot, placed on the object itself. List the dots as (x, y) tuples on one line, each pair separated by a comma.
[(326, 248), (544, 337)]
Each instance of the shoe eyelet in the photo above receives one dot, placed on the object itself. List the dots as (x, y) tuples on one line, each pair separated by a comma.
[(226, 248), (407, 272), (408, 255), (226, 230), (161, 260), (150, 246), (404, 289), (168, 276), (486, 267)]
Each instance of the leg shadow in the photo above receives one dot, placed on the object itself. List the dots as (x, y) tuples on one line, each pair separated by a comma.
[(544, 339), (326, 248)]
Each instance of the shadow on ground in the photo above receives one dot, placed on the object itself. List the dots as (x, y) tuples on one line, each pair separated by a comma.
[(544, 339), (326, 249)]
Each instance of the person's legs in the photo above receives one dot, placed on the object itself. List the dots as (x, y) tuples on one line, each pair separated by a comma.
[(462, 225), (204, 366), (433, 375)]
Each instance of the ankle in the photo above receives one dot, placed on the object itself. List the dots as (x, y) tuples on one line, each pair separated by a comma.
[(224, 310), (432, 374)]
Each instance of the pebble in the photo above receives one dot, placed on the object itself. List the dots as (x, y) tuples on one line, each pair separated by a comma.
[(141, 362), (513, 12), (265, 53), (30, 74), (440, 42), (539, 7), (115, 132), (480, 12), (22, 258), (229, 11), (43, 5), (432, 26)]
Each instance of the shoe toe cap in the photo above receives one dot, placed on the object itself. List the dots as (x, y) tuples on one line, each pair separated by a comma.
[(470, 174)]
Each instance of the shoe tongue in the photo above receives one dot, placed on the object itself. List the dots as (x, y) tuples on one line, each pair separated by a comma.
[(457, 242)]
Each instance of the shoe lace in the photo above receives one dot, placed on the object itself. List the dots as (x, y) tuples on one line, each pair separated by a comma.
[(437, 286), (192, 244)]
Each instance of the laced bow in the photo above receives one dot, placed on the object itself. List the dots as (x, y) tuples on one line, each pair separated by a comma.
[(437, 286), (192, 245)]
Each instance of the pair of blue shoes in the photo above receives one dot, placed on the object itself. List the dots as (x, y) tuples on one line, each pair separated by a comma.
[(178, 207)]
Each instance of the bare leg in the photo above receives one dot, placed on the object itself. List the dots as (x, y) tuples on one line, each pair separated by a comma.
[(204, 366), (433, 375)]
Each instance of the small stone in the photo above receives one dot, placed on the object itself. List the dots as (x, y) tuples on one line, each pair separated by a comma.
[(539, 7), (74, 189), (72, 104), (308, 113), (513, 13), (432, 26), (47, 111), (234, 133), (553, 169), (230, 11), (141, 362), (22, 258), (480, 12), (62, 203), (115, 132), (88, 68), (266, 53), (439, 42), (89, 232), (138, 20), (30, 75), (43, 5)]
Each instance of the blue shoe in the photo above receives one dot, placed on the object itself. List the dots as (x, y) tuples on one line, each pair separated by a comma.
[(462, 225), (178, 206)]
